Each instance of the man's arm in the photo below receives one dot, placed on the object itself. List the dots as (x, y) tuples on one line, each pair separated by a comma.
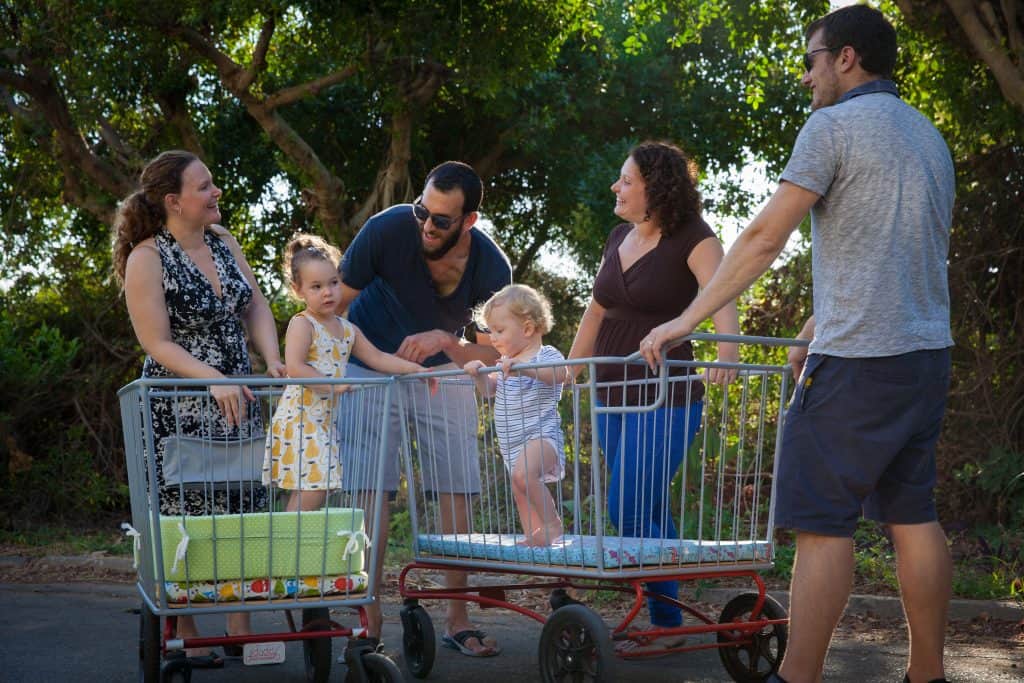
[(752, 254), (419, 347)]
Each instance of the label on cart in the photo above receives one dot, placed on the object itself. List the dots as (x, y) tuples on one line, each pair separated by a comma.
[(255, 654)]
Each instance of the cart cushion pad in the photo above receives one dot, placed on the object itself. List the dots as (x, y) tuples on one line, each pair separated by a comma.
[(582, 551), (265, 589), (327, 542)]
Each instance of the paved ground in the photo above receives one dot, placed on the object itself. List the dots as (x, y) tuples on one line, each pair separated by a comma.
[(88, 632)]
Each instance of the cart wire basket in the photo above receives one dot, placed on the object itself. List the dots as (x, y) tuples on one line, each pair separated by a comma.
[(214, 533), (663, 476)]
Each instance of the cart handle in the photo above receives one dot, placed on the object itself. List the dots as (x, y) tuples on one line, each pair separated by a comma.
[(659, 399)]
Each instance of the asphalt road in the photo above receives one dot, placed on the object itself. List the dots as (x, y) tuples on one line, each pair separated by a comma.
[(88, 632)]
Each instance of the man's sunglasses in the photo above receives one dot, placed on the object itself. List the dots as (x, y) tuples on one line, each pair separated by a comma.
[(809, 56), (423, 215)]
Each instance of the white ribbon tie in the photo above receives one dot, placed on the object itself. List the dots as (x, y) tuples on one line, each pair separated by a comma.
[(181, 550), (131, 531)]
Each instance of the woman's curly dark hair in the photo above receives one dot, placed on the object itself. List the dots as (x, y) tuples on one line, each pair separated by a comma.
[(670, 179)]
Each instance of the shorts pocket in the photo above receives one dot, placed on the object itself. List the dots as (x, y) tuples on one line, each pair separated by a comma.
[(806, 381)]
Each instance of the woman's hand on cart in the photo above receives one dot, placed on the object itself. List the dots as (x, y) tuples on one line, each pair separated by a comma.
[(727, 353), (277, 370), (231, 399), (652, 345)]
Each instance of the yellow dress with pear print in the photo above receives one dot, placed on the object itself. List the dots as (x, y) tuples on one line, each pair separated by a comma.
[(302, 449)]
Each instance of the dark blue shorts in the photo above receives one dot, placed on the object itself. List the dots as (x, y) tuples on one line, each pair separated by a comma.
[(860, 438)]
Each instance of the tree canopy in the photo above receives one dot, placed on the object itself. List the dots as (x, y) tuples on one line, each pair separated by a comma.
[(313, 115)]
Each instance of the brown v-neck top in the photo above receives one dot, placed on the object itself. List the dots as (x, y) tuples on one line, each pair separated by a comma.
[(656, 288)]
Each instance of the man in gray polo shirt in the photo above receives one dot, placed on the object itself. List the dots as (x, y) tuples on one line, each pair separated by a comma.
[(861, 430)]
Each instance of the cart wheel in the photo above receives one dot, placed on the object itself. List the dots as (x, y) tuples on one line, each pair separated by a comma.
[(755, 661), (149, 646), (574, 645), (380, 669), (176, 670), (317, 651), (418, 643)]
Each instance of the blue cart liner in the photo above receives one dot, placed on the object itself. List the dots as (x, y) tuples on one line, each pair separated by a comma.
[(582, 551)]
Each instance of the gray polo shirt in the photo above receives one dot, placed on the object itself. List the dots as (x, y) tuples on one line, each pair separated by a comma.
[(880, 231)]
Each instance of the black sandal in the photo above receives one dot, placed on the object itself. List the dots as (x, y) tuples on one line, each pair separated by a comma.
[(458, 642)]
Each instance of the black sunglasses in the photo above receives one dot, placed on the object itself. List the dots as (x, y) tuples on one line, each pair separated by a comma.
[(809, 56), (423, 215)]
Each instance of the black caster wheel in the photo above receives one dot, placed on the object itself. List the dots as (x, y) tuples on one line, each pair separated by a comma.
[(380, 669), (419, 646), (574, 645), (317, 651), (755, 660), (176, 670), (368, 665)]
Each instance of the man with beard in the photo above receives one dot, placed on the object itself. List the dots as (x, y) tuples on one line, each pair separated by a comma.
[(411, 279), (861, 429)]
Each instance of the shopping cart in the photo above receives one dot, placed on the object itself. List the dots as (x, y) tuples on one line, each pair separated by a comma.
[(222, 543), (719, 499)]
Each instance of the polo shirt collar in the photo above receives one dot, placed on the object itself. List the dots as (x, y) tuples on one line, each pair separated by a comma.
[(881, 85)]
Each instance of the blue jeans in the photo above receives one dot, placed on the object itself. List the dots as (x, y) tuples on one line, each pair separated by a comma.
[(642, 454)]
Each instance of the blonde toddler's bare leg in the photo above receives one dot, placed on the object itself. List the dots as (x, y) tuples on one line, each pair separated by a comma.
[(542, 524)]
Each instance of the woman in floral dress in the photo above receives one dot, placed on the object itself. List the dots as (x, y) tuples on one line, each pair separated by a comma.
[(191, 295)]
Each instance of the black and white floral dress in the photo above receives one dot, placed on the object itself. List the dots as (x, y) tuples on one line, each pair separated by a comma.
[(209, 328)]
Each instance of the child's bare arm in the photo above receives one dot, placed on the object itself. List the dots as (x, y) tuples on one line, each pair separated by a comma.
[(486, 383), (297, 340), (547, 375), (388, 363), (553, 375)]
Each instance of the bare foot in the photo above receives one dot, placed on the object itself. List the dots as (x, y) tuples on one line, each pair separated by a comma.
[(543, 536)]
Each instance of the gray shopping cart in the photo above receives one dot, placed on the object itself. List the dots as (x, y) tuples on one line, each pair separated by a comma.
[(667, 478), (209, 537)]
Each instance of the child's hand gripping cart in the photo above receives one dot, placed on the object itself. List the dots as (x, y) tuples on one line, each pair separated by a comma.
[(210, 538), (668, 479)]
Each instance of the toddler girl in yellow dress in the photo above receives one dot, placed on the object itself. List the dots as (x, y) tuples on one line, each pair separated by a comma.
[(301, 454)]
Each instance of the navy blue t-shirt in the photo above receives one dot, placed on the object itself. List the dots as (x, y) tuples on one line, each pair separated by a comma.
[(397, 296)]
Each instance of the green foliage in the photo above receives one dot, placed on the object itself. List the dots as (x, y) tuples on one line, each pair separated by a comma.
[(60, 452), (998, 477), (545, 99), (68, 539), (400, 536), (988, 562)]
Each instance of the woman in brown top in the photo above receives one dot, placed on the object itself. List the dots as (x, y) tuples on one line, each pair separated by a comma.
[(652, 268)]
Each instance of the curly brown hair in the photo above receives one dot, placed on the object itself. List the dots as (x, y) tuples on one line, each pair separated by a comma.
[(670, 180), (141, 214)]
